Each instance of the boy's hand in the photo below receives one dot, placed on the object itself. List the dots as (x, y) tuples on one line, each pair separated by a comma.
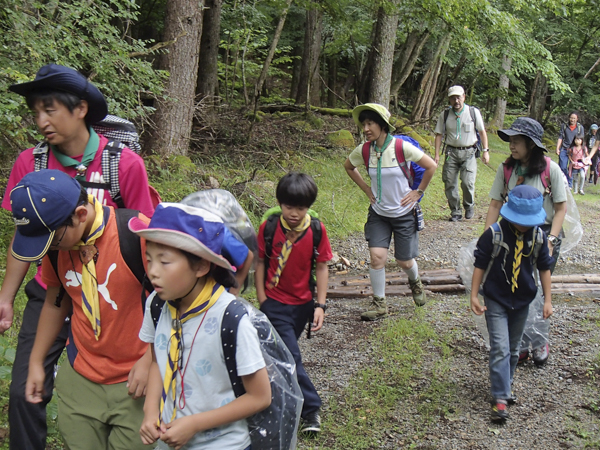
[(318, 319), (34, 388), (548, 310), (149, 432), (6, 316), (179, 432), (138, 376), (476, 306)]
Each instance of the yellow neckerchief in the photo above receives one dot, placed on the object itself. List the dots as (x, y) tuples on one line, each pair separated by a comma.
[(208, 296), (88, 254), (286, 250), (518, 256)]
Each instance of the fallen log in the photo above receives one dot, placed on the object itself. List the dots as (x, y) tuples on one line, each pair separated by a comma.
[(395, 290)]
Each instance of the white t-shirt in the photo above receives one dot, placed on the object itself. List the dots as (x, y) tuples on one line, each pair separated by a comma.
[(393, 181), (467, 135), (207, 384), (557, 185)]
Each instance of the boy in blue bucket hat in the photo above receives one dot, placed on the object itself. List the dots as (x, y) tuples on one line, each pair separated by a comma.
[(506, 268)]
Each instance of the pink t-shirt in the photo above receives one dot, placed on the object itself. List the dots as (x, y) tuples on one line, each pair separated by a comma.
[(293, 287), (133, 179), (576, 154)]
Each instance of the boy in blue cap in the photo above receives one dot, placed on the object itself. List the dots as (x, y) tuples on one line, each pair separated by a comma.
[(65, 105), (87, 279), (509, 285)]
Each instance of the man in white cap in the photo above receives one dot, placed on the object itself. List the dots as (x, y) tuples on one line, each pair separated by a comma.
[(460, 124)]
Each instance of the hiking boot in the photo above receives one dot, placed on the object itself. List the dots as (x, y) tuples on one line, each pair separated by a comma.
[(469, 213), (455, 218), (540, 355), (377, 309), (523, 356), (417, 291), (499, 412), (311, 423), (512, 400), (580, 191)]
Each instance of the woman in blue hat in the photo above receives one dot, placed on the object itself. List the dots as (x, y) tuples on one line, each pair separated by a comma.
[(528, 164), (509, 285)]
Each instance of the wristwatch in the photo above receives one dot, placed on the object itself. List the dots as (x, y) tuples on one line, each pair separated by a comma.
[(323, 306), (485, 150), (421, 191), (553, 240)]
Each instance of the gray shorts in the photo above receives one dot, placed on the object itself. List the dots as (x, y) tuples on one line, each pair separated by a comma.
[(379, 229)]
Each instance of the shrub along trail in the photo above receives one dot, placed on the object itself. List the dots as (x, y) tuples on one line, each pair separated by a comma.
[(419, 379)]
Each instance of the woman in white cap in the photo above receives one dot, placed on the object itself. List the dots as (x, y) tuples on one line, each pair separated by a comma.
[(528, 164), (392, 201)]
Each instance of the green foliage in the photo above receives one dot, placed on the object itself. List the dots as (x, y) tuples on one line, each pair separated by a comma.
[(89, 36)]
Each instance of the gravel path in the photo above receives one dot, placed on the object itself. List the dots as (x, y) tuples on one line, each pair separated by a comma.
[(558, 404)]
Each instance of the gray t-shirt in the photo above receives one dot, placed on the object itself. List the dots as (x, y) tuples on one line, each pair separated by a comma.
[(466, 135), (557, 185)]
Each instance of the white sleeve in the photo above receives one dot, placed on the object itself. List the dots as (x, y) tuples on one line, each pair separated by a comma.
[(248, 355), (147, 331), (412, 153)]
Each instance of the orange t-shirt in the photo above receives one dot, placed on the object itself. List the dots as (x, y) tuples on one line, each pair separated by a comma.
[(109, 359)]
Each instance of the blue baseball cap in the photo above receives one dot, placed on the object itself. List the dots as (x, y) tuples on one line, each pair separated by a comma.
[(186, 228), (41, 202), (525, 206), (54, 77)]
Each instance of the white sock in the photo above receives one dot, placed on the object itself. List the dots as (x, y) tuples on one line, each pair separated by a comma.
[(413, 272), (378, 281)]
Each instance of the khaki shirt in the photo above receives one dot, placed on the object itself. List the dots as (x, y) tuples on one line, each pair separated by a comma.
[(467, 136)]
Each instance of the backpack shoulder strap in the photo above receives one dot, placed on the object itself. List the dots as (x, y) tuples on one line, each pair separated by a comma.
[(229, 328), (40, 156), (317, 232), (446, 114), (538, 241), (545, 175), (399, 146), (111, 157), (53, 257), (366, 152), (499, 244), (269, 234)]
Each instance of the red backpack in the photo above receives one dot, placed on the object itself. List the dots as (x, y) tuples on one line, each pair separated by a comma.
[(544, 177), (399, 146)]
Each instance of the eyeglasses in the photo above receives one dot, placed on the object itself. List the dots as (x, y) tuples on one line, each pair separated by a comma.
[(57, 243)]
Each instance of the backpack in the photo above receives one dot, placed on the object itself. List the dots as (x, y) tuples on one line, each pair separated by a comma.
[(275, 427), (131, 251), (472, 109), (544, 177), (271, 217), (578, 131), (412, 172), (121, 133)]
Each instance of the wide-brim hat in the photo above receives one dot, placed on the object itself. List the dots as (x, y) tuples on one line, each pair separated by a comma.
[(185, 228), (525, 206), (60, 78), (41, 203), (375, 107), (525, 126)]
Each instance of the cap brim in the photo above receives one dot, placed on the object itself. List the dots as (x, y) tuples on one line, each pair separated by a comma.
[(178, 240), (506, 134), (356, 112), (529, 220), (31, 248)]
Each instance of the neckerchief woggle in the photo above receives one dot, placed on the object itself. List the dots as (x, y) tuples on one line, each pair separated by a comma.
[(88, 156)]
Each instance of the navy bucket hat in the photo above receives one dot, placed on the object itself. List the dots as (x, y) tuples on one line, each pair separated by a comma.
[(525, 126), (54, 77), (525, 206)]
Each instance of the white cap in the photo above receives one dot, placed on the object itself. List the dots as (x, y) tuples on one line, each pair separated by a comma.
[(456, 90)]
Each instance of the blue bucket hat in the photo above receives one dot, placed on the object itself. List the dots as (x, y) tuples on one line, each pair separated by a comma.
[(186, 228), (525, 126), (41, 202), (525, 206), (60, 78), (594, 127)]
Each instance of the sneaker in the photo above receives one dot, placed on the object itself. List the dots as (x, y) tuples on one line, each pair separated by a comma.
[(417, 292), (455, 218), (523, 356), (311, 423), (540, 355), (499, 412), (377, 309), (512, 399), (580, 191), (469, 213)]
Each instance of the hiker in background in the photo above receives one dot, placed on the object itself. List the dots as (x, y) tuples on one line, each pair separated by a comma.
[(510, 286), (65, 105), (283, 279), (577, 154), (594, 159), (462, 125), (527, 164), (565, 140), (190, 400), (392, 203)]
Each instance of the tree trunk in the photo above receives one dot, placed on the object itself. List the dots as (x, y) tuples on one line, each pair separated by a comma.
[(407, 58), (309, 70), (381, 59), (331, 81), (539, 93), (498, 120), (427, 89), (209, 50), (174, 115), (297, 52)]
